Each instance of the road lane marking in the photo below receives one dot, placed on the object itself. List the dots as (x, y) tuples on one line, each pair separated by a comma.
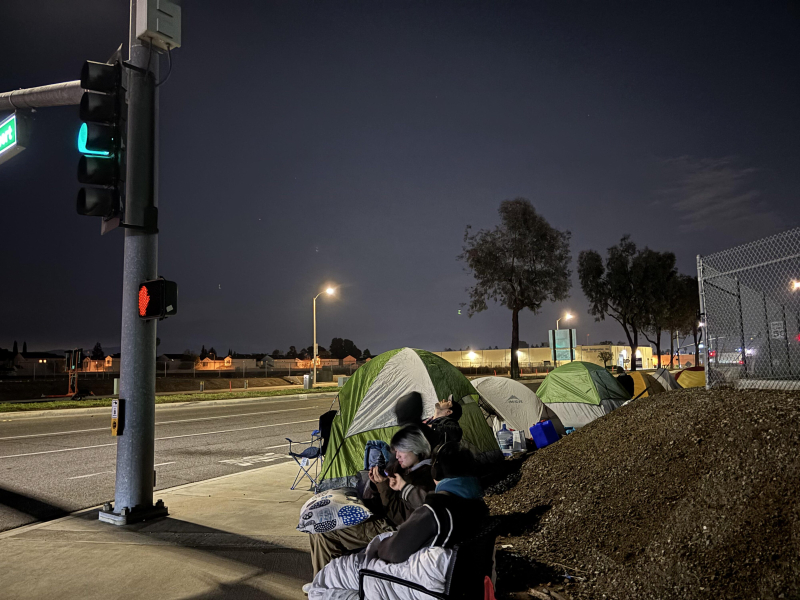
[(106, 472), (249, 461), (90, 475), (268, 412), (172, 437), (61, 450), (175, 437)]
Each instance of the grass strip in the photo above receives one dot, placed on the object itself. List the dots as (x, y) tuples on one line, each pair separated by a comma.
[(167, 399)]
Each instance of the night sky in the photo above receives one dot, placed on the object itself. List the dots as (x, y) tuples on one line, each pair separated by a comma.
[(351, 142)]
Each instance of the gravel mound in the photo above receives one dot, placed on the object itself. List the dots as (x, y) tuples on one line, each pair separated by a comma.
[(687, 494)]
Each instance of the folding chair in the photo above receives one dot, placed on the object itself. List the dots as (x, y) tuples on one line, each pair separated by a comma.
[(307, 460), (470, 568)]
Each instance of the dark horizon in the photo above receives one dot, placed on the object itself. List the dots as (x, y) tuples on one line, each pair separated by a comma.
[(365, 137)]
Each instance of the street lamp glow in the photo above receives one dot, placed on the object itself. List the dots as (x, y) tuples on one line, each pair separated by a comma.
[(566, 317), (330, 291), (795, 285), (472, 356)]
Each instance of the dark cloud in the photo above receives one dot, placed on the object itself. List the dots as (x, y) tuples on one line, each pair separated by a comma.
[(718, 194)]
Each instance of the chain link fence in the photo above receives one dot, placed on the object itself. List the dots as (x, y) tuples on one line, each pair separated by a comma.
[(750, 304)]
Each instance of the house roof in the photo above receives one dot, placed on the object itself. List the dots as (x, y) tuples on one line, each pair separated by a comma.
[(39, 355)]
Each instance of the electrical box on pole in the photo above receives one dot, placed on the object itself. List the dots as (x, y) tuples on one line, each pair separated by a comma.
[(101, 142), (158, 22)]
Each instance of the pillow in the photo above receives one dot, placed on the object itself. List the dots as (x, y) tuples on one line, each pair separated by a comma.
[(331, 510)]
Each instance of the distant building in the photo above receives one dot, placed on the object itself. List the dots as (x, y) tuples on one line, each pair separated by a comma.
[(38, 363), (541, 357)]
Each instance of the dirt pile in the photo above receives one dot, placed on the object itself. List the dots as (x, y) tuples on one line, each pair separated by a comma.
[(688, 494)]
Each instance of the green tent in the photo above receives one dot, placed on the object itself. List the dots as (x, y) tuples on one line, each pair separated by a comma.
[(580, 392), (366, 409)]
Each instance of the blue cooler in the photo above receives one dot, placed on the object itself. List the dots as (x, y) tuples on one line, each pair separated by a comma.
[(544, 434)]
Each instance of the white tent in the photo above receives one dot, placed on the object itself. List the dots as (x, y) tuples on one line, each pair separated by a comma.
[(513, 403), (666, 379)]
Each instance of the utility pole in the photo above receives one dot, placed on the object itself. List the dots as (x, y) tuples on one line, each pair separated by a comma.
[(153, 24), (135, 474)]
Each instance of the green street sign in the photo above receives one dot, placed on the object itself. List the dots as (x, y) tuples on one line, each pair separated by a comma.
[(12, 137)]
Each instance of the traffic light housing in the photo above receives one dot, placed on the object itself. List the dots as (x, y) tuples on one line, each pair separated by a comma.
[(158, 299), (101, 141)]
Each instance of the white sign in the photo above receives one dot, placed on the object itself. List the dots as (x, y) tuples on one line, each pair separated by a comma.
[(115, 409), (777, 330)]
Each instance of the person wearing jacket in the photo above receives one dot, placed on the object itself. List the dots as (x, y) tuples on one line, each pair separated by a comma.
[(446, 414), (442, 427), (400, 494), (421, 548), (404, 490)]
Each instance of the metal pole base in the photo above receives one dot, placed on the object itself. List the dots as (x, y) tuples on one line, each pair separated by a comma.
[(128, 517)]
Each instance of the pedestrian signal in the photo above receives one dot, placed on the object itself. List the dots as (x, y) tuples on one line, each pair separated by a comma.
[(157, 299)]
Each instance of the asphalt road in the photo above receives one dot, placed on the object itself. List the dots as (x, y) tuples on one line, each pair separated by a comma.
[(52, 465)]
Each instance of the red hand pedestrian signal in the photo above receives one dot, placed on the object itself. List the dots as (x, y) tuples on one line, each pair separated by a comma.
[(158, 299), (144, 300)]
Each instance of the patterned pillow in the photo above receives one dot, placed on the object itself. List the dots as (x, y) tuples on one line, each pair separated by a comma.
[(331, 510)]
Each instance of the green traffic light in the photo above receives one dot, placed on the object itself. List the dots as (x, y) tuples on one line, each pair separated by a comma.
[(82, 137)]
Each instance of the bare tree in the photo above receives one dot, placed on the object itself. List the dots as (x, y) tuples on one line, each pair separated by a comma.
[(520, 264)]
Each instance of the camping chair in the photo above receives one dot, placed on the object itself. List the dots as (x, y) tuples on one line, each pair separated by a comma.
[(473, 561), (309, 458)]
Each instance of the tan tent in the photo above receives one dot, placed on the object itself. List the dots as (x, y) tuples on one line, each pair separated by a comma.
[(645, 385), (513, 403), (692, 377), (666, 379)]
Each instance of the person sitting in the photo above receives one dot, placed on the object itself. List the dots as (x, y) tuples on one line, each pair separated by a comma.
[(625, 380), (408, 410), (401, 491), (403, 488), (421, 549), (446, 414)]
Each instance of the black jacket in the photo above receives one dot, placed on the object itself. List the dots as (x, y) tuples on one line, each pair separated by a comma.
[(443, 520), (400, 505), (447, 429)]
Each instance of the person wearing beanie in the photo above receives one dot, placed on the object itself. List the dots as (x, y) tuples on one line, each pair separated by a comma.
[(454, 510), (402, 488), (421, 548), (409, 410)]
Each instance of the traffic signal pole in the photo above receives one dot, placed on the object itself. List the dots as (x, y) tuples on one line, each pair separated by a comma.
[(135, 475), (157, 22)]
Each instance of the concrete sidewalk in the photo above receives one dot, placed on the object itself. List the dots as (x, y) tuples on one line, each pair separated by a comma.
[(230, 537)]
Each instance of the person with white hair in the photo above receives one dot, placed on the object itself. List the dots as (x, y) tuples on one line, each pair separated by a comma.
[(402, 488), (421, 550)]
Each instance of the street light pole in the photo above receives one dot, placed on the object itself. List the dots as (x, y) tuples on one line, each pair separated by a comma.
[(314, 364), (329, 291)]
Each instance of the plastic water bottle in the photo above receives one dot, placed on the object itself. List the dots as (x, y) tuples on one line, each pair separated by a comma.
[(506, 441)]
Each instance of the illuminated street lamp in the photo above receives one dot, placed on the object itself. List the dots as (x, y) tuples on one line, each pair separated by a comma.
[(795, 285), (566, 317), (329, 290)]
